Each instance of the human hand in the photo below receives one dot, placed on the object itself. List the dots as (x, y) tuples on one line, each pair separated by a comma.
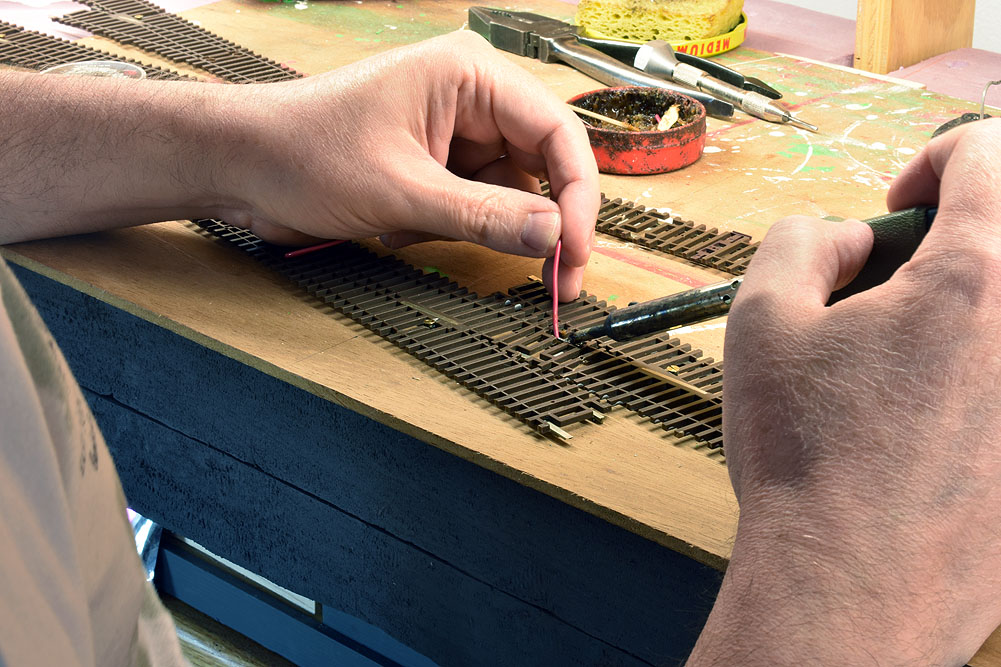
[(444, 139), (861, 438)]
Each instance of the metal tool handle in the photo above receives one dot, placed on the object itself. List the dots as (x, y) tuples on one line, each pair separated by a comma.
[(610, 71), (753, 103)]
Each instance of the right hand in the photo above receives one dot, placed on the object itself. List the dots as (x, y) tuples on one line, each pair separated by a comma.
[(862, 439)]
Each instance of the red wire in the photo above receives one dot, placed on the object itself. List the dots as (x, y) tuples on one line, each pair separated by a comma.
[(313, 248), (556, 289)]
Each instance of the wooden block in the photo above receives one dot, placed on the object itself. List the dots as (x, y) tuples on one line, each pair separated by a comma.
[(891, 34)]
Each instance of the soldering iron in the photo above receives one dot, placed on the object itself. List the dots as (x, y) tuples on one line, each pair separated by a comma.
[(896, 237)]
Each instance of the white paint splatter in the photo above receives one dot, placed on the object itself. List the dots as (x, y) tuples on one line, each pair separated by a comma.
[(696, 328), (877, 146), (777, 133), (302, 5), (777, 179), (800, 93), (871, 116), (858, 107), (904, 150), (824, 106), (603, 242), (647, 194), (711, 149), (809, 151)]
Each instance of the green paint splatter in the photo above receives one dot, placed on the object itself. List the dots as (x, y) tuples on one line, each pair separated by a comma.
[(804, 149), (821, 169), (366, 20), (612, 297), (434, 269)]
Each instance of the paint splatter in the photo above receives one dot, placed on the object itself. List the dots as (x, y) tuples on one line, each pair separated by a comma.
[(871, 116), (904, 150), (711, 149), (697, 327), (858, 107), (776, 133)]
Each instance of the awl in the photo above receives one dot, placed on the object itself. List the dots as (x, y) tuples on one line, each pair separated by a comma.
[(658, 58)]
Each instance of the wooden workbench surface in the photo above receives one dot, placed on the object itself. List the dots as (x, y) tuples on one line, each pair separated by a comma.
[(625, 470)]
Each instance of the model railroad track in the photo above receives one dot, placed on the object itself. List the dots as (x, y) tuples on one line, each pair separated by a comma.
[(28, 49), (649, 228), (149, 27), (724, 251), (502, 347)]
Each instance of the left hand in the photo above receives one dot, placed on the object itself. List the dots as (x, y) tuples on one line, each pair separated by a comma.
[(443, 139)]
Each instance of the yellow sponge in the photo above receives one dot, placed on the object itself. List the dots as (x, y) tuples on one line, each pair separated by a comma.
[(670, 20)]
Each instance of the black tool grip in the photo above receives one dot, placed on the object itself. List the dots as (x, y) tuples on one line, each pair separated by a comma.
[(897, 236)]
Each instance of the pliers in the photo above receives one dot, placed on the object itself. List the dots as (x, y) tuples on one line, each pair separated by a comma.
[(610, 62)]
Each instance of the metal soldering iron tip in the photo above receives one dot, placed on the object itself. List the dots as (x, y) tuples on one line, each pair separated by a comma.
[(792, 120), (581, 336)]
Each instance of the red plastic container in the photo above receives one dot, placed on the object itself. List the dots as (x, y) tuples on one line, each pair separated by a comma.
[(653, 152)]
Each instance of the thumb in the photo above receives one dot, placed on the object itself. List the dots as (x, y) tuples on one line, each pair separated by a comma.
[(802, 261), (504, 219)]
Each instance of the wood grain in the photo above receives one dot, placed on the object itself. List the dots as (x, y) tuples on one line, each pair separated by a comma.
[(891, 34)]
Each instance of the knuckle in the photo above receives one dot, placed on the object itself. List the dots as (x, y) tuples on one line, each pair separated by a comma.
[(971, 276), (484, 219)]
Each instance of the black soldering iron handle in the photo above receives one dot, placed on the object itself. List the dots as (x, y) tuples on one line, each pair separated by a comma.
[(896, 236)]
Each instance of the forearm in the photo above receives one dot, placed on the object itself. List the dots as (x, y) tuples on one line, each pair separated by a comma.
[(83, 154)]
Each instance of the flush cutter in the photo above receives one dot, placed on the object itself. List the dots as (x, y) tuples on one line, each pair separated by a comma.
[(654, 64)]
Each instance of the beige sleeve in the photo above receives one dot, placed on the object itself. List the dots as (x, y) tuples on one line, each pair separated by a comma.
[(72, 589)]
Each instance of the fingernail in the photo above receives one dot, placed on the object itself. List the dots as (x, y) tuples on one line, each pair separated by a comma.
[(541, 231)]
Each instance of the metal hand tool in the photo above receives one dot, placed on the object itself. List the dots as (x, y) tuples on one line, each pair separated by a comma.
[(896, 237), (625, 52), (551, 40), (613, 62), (658, 58)]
